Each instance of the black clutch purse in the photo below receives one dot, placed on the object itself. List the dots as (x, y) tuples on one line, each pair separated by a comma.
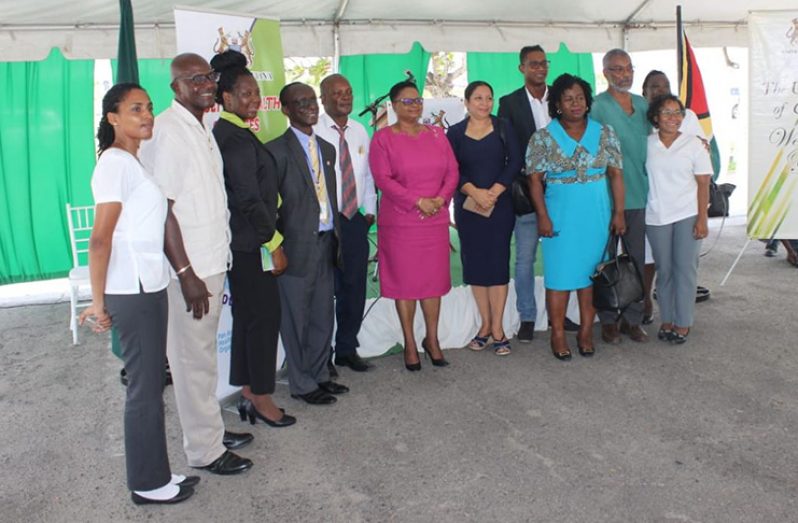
[(616, 282)]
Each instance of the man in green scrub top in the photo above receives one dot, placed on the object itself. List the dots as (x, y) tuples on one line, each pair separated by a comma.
[(626, 113)]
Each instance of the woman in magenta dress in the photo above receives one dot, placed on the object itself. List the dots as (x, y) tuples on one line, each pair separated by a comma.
[(415, 169)]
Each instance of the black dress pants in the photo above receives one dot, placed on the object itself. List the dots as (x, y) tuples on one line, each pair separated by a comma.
[(256, 323), (350, 284)]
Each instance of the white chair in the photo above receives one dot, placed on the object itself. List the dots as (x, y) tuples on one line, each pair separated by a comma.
[(80, 220)]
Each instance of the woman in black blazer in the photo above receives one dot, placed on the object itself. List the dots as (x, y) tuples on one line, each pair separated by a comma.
[(488, 156), (253, 200)]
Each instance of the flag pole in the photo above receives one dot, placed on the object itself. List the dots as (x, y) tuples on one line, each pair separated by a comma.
[(679, 49)]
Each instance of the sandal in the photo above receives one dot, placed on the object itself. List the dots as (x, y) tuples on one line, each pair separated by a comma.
[(677, 338), (664, 334), (478, 343), (502, 347)]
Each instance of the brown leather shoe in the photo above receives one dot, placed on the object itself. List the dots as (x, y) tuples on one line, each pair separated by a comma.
[(610, 334), (636, 333)]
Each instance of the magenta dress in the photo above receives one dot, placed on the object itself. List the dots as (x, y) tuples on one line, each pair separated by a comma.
[(413, 253)]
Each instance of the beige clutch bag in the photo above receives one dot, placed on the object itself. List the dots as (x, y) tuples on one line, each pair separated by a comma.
[(471, 205)]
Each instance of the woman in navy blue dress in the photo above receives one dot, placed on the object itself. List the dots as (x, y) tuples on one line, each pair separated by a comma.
[(488, 162)]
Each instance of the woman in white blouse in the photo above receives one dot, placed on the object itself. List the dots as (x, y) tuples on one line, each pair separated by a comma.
[(129, 274), (679, 170)]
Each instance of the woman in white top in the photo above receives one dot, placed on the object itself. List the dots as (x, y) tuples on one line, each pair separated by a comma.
[(129, 274), (679, 170)]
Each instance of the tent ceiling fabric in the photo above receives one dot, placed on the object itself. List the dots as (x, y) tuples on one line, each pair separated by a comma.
[(88, 29)]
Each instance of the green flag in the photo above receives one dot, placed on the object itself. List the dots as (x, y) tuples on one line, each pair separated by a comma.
[(128, 69)]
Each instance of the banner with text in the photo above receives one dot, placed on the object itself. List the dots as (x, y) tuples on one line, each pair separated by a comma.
[(211, 33), (773, 133)]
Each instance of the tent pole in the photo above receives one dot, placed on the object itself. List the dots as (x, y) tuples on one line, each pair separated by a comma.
[(339, 14), (336, 46)]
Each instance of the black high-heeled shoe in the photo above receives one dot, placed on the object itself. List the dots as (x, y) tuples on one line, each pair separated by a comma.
[(285, 421), (412, 367), (436, 363), (243, 406)]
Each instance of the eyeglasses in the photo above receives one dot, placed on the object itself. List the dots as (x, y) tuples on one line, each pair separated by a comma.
[(621, 69), (199, 79), (670, 112), (538, 65), (411, 101)]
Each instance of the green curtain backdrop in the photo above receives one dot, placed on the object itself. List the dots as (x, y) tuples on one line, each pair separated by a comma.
[(46, 160), (154, 77), (501, 69), (373, 75)]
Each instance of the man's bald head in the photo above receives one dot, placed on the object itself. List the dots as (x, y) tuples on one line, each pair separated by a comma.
[(193, 83), (183, 62)]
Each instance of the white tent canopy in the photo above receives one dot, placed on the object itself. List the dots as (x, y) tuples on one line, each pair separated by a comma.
[(89, 28)]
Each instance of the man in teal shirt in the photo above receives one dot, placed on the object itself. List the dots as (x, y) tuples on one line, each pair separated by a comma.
[(626, 114)]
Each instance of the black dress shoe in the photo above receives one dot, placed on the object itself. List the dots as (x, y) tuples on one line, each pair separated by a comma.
[(354, 362), (228, 464), (190, 481), (333, 388), (316, 397), (183, 494), (235, 440), (701, 294), (331, 369)]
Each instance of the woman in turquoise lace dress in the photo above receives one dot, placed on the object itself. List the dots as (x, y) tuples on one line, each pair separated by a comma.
[(574, 155)]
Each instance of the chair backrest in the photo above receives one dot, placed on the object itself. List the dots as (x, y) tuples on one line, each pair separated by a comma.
[(80, 220)]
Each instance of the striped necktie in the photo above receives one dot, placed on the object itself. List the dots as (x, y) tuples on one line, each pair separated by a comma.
[(348, 185)]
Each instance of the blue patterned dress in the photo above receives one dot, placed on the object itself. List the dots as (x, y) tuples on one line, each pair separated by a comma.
[(577, 199)]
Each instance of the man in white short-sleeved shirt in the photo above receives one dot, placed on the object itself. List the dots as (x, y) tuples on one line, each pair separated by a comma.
[(185, 161)]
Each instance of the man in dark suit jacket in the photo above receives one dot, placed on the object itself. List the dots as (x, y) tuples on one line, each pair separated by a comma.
[(308, 220), (527, 110)]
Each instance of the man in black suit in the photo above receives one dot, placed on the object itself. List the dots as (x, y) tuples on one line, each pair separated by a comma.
[(308, 220)]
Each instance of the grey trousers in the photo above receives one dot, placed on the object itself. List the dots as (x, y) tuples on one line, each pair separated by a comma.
[(636, 241), (140, 320), (306, 325), (675, 252)]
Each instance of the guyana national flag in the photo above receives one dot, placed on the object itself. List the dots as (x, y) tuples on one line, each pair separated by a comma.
[(693, 96)]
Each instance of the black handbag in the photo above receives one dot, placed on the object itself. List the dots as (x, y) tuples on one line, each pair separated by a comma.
[(522, 200), (719, 198), (616, 282)]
